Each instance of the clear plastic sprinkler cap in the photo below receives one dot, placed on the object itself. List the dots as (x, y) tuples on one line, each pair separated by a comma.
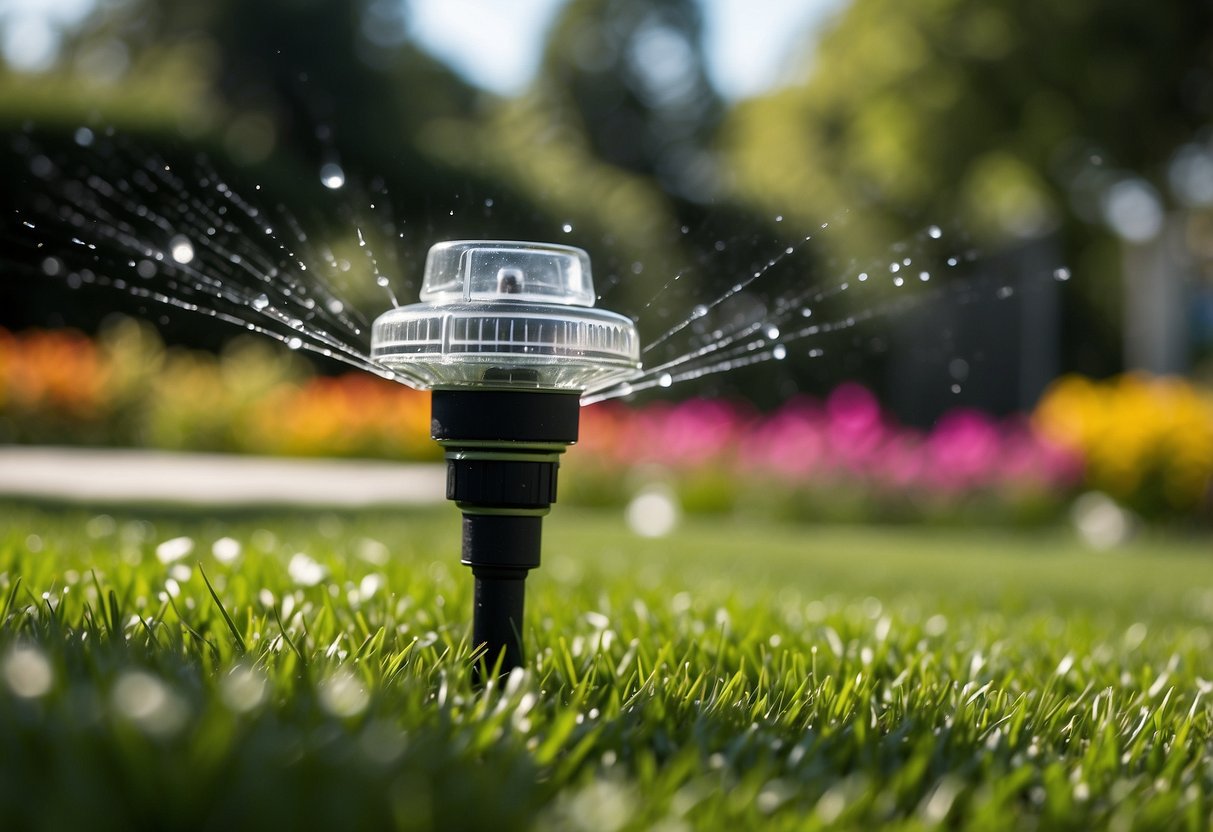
[(507, 314)]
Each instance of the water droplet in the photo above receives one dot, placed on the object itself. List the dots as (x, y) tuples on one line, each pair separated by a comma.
[(332, 176), (146, 269), (934, 232), (780, 352), (260, 302), (226, 549), (816, 353), (806, 312), (28, 672), (863, 276), (1062, 274), (899, 281), (1004, 293), (894, 267), (84, 136), (665, 380), (382, 281), (699, 311), (779, 218), (955, 388), (488, 203), (52, 266), (789, 250), (173, 550), (294, 343), (924, 276), (567, 227), (181, 249), (906, 262), (772, 332), (335, 306)]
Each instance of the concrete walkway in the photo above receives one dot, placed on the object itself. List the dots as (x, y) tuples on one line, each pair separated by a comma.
[(139, 476)]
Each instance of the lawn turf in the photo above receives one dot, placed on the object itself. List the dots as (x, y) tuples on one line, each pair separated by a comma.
[(734, 675)]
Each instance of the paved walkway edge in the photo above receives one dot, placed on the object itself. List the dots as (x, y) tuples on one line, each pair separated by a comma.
[(142, 476)]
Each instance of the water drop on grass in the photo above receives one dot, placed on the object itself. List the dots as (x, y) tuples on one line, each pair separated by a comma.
[(261, 302), (243, 689), (226, 549), (294, 343), (304, 571), (665, 380), (653, 512), (149, 703), (174, 549), (28, 673), (567, 227)]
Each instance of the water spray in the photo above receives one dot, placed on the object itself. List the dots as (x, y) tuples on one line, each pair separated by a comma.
[(507, 338)]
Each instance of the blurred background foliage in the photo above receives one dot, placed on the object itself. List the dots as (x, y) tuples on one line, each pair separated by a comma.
[(1071, 139)]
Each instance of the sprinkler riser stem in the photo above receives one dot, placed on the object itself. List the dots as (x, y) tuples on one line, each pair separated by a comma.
[(503, 452)]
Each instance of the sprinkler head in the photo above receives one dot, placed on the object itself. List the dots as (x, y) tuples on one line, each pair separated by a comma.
[(506, 315), (507, 338)]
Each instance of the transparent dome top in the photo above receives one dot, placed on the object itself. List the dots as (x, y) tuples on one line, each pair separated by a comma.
[(506, 314)]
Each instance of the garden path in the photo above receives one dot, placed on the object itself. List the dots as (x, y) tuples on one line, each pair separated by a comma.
[(142, 476)]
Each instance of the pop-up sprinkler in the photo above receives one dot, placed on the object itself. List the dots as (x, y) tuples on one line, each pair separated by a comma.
[(506, 337)]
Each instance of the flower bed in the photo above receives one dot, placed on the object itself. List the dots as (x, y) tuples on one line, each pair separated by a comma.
[(842, 459), (1148, 443)]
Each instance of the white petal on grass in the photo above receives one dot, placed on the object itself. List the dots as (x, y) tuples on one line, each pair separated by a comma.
[(226, 549), (305, 571), (28, 673), (149, 703), (174, 549), (343, 695)]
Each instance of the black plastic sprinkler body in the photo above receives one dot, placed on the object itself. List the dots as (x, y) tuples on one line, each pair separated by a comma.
[(507, 340)]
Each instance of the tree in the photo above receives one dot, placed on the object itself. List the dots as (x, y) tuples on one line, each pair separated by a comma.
[(1011, 119)]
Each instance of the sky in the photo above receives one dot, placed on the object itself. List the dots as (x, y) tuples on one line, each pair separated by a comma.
[(751, 45)]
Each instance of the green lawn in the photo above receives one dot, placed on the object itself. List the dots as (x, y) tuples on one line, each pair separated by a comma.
[(730, 677)]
